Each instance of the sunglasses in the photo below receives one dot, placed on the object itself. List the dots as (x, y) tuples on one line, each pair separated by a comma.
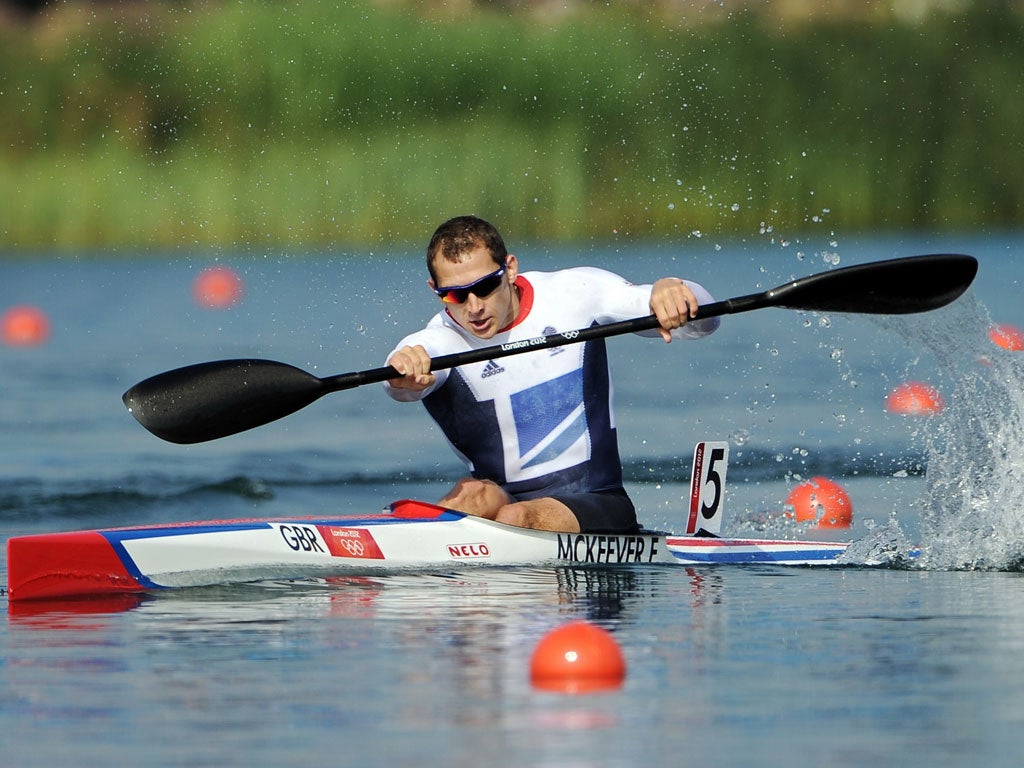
[(481, 288)]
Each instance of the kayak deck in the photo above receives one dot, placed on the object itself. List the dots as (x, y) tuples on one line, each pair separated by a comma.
[(415, 535)]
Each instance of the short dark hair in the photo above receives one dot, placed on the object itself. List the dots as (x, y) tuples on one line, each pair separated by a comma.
[(460, 235)]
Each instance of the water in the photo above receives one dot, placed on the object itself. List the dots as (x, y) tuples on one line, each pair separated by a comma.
[(740, 666)]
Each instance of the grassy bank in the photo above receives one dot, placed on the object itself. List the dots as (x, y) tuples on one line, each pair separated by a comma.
[(306, 123)]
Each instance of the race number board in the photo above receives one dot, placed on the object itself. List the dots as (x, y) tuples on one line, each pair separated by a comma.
[(707, 487)]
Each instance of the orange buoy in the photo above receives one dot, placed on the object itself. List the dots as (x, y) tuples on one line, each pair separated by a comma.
[(821, 500), (217, 288), (1007, 336), (914, 398), (24, 326), (578, 657)]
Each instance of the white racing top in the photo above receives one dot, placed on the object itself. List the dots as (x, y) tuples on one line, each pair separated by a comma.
[(541, 422)]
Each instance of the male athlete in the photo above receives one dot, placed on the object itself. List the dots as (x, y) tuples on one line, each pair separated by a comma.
[(537, 429)]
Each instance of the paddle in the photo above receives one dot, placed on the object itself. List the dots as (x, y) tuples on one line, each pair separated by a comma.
[(211, 400)]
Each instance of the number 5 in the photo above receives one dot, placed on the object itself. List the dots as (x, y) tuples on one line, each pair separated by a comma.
[(707, 487)]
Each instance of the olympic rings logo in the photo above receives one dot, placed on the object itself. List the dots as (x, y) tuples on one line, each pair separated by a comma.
[(354, 547)]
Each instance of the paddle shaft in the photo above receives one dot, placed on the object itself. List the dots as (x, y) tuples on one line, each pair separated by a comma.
[(443, 362)]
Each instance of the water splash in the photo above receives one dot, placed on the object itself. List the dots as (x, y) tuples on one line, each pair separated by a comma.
[(884, 545), (972, 509)]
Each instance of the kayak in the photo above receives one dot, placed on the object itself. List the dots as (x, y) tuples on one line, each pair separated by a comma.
[(411, 535), (414, 535)]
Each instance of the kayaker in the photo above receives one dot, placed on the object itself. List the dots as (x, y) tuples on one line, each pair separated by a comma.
[(537, 430)]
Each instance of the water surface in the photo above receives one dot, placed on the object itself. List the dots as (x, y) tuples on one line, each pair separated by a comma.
[(740, 666)]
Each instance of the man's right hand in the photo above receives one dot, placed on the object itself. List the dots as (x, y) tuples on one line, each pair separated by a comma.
[(414, 365)]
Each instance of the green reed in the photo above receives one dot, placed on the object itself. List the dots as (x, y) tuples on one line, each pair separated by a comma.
[(307, 123)]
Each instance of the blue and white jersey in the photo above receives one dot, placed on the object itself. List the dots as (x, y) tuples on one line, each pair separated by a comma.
[(541, 422)]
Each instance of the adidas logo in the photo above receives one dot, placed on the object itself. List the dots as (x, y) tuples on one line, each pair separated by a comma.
[(491, 369)]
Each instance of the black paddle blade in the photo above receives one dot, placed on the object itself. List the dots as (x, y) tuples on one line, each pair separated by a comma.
[(211, 400), (894, 287)]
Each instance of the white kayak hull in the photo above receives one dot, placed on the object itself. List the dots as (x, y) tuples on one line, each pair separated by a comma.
[(414, 536)]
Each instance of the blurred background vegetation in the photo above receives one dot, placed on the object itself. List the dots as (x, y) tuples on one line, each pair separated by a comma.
[(240, 123)]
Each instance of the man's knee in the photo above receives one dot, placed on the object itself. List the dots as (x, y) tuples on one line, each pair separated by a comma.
[(513, 514), (477, 497), (471, 488), (542, 514)]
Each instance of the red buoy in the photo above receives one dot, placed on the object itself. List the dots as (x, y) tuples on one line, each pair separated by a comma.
[(821, 500), (914, 398), (217, 288), (578, 657), (1007, 336), (24, 326)]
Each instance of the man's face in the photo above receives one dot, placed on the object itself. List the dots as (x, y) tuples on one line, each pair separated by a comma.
[(483, 316)]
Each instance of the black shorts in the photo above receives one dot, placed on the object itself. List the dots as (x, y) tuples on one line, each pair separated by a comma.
[(602, 511)]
